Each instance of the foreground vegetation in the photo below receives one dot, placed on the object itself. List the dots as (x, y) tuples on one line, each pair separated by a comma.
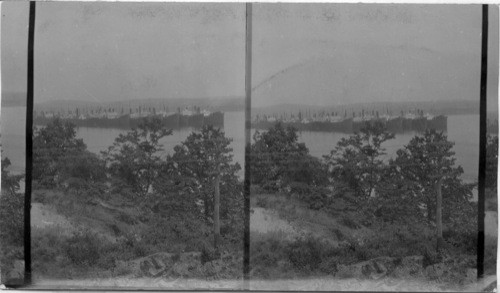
[(129, 207), (130, 211), (364, 216)]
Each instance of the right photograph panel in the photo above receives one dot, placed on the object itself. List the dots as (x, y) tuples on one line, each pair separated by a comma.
[(365, 146)]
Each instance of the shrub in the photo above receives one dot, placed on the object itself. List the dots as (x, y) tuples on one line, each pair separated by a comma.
[(82, 248), (207, 254), (348, 221), (340, 236), (261, 202), (463, 241), (268, 259), (300, 188), (490, 256), (306, 253), (315, 197)]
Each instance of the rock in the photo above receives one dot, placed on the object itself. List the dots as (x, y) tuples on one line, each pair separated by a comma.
[(190, 257), (435, 271), (161, 263), (470, 276), (348, 271), (409, 266), (371, 269), (155, 265), (13, 274), (17, 271), (416, 261)]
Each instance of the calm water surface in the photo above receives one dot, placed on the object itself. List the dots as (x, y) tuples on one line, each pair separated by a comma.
[(462, 129)]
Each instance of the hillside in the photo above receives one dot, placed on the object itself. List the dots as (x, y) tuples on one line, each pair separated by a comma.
[(112, 239)]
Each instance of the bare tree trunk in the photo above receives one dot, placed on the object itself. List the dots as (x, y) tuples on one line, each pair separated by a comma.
[(206, 205), (439, 215), (429, 209), (216, 212)]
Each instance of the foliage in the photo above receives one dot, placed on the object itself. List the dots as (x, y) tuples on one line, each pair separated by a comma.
[(12, 219), (82, 248), (491, 161), (87, 166), (396, 203), (419, 165), (490, 255), (54, 146), (316, 197), (175, 233), (84, 174), (134, 158), (196, 163), (10, 183), (357, 160), (11, 216), (81, 252), (306, 253), (278, 158)]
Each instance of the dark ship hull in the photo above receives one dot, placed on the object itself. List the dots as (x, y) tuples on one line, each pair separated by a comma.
[(394, 125), (174, 121), (438, 123)]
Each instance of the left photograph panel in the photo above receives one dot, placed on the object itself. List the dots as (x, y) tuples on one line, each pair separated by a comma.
[(138, 145)]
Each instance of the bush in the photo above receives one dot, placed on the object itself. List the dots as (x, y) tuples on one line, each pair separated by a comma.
[(268, 259), (464, 241), (490, 256), (82, 248), (315, 197), (261, 202), (58, 254), (299, 188), (207, 253), (306, 253), (348, 221)]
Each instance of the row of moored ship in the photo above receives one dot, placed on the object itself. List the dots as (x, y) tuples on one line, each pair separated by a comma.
[(111, 118), (415, 120)]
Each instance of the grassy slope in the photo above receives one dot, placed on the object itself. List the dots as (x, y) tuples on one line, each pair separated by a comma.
[(278, 254), (77, 237), (108, 219), (318, 223), (321, 226)]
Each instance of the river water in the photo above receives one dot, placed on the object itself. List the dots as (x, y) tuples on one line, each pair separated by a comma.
[(462, 129)]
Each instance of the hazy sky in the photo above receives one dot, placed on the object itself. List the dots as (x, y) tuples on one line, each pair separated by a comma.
[(341, 53), (112, 51), (302, 53)]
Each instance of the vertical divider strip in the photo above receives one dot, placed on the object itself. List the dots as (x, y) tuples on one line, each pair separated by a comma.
[(29, 146), (482, 143), (248, 105)]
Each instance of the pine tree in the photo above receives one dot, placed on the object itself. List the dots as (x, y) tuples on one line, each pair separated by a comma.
[(206, 158), (358, 159), (135, 157), (428, 164)]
